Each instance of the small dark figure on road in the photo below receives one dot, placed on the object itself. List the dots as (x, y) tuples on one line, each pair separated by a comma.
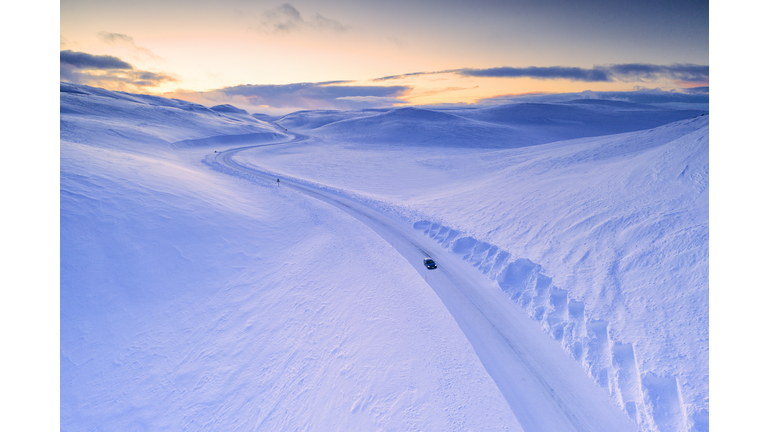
[(278, 182)]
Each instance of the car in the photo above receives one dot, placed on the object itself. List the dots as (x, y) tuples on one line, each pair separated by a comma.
[(430, 263)]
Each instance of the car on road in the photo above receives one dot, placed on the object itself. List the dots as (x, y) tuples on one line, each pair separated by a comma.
[(430, 263)]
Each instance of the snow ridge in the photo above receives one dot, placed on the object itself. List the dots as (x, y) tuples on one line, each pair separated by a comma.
[(653, 401)]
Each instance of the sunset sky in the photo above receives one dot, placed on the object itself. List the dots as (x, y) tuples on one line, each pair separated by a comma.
[(271, 56)]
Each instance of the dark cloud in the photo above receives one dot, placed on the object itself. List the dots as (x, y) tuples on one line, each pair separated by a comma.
[(401, 76), (554, 72), (286, 19), (650, 72), (81, 60), (631, 72), (107, 72)]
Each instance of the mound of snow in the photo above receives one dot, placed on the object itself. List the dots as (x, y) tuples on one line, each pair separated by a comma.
[(423, 127), (579, 118), (264, 117), (506, 126), (228, 109), (308, 120), (88, 115)]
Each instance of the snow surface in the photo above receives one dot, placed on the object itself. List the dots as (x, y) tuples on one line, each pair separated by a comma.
[(191, 300), (194, 298)]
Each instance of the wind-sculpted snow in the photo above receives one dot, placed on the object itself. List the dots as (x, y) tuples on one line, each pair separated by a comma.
[(423, 127), (308, 120), (229, 109), (229, 140), (203, 299), (147, 123), (652, 401), (580, 118), (193, 300), (618, 222), (506, 126)]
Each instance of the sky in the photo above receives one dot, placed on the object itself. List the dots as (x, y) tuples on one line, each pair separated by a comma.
[(272, 56)]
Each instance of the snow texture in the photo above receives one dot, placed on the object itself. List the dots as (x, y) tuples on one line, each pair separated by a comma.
[(193, 299)]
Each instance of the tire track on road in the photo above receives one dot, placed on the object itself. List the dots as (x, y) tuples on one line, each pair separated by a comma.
[(546, 390)]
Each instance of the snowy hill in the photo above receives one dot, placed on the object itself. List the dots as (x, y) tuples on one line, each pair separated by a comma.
[(422, 127), (604, 242), (144, 123), (505, 126), (194, 298), (307, 120), (580, 118)]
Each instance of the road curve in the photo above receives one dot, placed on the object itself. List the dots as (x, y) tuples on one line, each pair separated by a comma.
[(546, 390)]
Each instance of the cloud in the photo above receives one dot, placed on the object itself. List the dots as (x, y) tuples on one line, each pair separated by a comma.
[(121, 39), (107, 72), (282, 19), (378, 101), (412, 74), (398, 42), (291, 97), (286, 19), (81, 60), (322, 23), (554, 72), (631, 72)]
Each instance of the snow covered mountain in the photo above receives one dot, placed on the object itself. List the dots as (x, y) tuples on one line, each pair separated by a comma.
[(196, 293)]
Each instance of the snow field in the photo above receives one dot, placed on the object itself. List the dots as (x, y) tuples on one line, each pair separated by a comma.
[(194, 301), (545, 389), (655, 402), (603, 240)]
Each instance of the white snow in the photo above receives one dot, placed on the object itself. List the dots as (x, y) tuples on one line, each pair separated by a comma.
[(199, 298)]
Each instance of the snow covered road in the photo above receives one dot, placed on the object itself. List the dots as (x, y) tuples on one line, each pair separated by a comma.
[(546, 390)]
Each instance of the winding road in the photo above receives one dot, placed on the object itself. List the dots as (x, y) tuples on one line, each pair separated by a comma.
[(546, 390)]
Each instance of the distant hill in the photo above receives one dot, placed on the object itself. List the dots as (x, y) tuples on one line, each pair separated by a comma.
[(505, 126), (229, 109), (424, 127), (308, 120)]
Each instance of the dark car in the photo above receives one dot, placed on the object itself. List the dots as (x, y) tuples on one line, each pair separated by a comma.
[(430, 263)]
